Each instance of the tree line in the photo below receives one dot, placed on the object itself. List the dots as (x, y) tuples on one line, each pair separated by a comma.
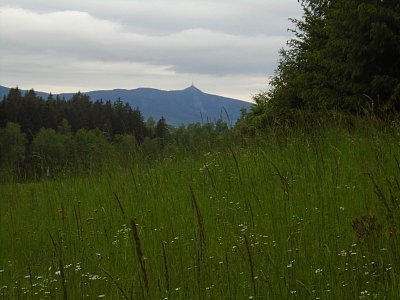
[(344, 59), (33, 113), (41, 137)]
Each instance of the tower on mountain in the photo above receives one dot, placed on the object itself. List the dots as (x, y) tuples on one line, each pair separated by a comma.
[(193, 89)]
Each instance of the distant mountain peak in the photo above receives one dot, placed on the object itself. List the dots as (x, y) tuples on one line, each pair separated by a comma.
[(193, 89), (178, 107)]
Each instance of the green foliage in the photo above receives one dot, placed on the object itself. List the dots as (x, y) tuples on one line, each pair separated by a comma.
[(345, 57), (12, 147), (92, 149), (126, 148), (52, 153), (198, 137), (49, 149), (151, 147), (363, 52)]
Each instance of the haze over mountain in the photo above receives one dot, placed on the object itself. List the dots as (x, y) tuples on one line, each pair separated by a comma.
[(190, 105)]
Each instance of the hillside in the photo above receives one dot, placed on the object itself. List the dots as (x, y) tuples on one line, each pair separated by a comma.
[(190, 105)]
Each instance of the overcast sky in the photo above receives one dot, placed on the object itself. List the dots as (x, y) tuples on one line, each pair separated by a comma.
[(226, 47)]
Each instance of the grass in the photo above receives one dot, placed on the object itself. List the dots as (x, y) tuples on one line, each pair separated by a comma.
[(294, 215)]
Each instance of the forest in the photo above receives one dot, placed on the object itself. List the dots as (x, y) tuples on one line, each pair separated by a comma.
[(77, 135), (300, 199)]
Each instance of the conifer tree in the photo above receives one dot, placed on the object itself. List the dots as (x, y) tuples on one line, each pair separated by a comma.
[(345, 56)]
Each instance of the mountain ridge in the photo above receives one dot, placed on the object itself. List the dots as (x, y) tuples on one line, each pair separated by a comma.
[(186, 106)]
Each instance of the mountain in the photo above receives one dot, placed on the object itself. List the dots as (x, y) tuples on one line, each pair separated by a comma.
[(187, 106), (3, 91)]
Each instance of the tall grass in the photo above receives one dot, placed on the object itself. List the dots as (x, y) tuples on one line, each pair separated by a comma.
[(294, 215)]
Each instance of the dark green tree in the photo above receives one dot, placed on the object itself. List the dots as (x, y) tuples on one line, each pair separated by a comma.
[(138, 125), (78, 113), (363, 54), (161, 129), (345, 57)]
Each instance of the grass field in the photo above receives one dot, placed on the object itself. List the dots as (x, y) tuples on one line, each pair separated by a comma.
[(294, 215)]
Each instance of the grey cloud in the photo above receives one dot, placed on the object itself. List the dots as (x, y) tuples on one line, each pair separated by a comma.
[(100, 44), (79, 35), (250, 17)]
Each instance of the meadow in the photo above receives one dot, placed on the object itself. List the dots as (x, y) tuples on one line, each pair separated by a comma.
[(306, 214)]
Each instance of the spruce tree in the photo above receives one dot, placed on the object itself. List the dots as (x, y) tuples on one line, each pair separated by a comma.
[(345, 57)]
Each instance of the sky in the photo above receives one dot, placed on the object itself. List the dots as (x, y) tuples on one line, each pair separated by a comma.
[(228, 48)]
